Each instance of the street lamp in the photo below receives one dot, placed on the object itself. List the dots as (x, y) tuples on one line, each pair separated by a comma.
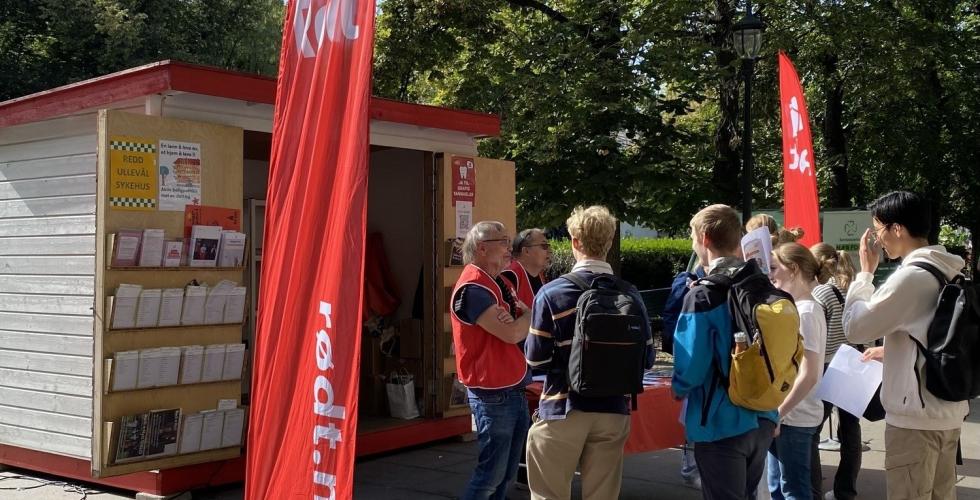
[(747, 38)]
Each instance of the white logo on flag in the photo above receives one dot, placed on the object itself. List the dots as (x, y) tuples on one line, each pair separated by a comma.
[(800, 157), (322, 16)]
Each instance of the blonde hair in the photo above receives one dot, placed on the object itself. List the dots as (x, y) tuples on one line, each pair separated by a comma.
[(720, 224), (799, 258), (762, 220), (784, 235), (833, 264), (594, 227)]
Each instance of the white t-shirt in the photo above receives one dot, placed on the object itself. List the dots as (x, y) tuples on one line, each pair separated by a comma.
[(813, 328)]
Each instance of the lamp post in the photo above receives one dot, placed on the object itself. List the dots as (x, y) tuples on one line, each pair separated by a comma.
[(747, 38)]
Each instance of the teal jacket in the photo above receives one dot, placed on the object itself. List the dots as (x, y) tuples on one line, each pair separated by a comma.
[(702, 353)]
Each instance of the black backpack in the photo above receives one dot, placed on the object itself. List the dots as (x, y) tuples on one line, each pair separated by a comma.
[(952, 352), (608, 351)]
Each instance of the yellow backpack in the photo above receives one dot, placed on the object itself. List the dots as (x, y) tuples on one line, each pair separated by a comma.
[(761, 376)]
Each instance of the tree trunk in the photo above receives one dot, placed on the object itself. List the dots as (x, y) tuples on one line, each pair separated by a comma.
[(834, 138), (728, 164)]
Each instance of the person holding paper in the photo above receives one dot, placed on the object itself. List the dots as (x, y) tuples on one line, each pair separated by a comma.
[(730, 441), (794, 460), (921, 430), (836, 273)]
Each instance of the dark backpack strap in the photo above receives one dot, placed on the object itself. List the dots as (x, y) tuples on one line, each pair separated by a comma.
[(920, 349), (840, 296), (577, 281), (933, 270)]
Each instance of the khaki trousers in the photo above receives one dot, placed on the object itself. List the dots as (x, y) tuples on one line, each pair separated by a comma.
[(591, 442), (920, 465)]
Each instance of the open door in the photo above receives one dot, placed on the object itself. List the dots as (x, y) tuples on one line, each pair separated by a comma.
[(490, 186)]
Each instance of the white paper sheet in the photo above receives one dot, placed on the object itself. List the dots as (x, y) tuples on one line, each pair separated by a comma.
[(231, 432), (214, 309), (126, 366), (148, 313), (235, 305), (234, 359), (850, 383), (757, 244), (124, 306), (214, 363), (169, 366), (151, 251), (214, 421), (150, 361), (190, 433), (170, 306), (192, 364), (193, 311)]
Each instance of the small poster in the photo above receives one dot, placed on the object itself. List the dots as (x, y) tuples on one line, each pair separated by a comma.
[(132, 173), (464, 218), (180, 175), (464, 180)]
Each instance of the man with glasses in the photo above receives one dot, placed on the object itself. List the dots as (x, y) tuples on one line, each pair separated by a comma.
[(530, 257), (488, 321), (921, 429)]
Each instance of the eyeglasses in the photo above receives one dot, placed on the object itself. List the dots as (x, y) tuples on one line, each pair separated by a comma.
[(505, 241), (546, 246), (879, 230)]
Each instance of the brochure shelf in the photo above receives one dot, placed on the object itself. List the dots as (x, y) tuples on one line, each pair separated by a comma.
[(220, 156)]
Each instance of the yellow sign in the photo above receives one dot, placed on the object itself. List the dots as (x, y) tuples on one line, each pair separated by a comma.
[(132, 173)]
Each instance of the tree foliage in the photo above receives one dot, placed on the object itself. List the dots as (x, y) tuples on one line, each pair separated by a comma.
[(47, 43), (636, 103)]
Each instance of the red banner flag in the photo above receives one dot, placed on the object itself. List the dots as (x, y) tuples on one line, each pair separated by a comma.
[(303, 419), (801, 205)]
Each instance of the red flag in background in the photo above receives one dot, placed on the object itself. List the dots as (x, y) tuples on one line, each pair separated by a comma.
[(801, 205), (303, 417)]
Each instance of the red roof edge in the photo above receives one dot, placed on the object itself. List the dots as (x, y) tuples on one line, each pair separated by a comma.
[(158, 77), (135, 82)]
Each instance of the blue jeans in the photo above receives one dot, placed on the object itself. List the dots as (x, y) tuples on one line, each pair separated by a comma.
[(789, 463), (502, 421)]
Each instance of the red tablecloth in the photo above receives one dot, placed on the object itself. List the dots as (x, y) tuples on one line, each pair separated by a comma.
[(654, 425)]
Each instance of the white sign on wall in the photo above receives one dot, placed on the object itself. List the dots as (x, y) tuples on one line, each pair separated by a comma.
[(843, 229)]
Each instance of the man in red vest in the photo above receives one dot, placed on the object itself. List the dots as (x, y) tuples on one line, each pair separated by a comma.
[(530, 256), (488, 321)]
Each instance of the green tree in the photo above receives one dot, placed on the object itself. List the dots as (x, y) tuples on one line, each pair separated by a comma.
[(47, 43), (587, 116)]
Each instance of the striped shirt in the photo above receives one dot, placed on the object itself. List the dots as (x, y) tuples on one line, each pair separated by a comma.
[(548, 346), (833, 312)]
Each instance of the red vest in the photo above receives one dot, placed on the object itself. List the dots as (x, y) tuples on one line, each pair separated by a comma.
[(525, 292), (483, 361)]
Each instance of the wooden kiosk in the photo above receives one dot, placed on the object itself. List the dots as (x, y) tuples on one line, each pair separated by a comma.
[(57, 414)]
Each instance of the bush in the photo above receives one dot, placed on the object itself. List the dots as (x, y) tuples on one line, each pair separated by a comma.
[(647, 263)]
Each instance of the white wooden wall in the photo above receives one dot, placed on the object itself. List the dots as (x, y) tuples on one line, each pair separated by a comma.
[(47, 275)]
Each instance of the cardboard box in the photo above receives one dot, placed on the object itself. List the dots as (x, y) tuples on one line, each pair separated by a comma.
[(410, 338)]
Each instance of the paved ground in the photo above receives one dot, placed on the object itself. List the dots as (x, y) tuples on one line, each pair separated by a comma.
[(441, 470)]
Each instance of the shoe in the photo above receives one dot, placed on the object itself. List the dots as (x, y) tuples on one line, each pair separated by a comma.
[(829, 496), (693, 481), (829, 444)]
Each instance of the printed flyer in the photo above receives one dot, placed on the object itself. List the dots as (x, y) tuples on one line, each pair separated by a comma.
[(180, 175), (132, 173)]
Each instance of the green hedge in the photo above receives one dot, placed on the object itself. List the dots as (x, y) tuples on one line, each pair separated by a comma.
[(647, 263)]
